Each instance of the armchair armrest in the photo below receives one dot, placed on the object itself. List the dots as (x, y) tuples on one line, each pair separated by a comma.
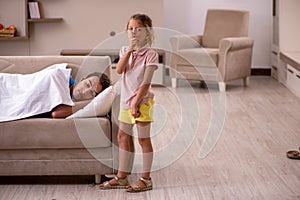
[(185, 42), (237, 43), (235, 57)]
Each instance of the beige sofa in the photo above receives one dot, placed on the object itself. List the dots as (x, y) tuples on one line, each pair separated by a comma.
[(46, 146)]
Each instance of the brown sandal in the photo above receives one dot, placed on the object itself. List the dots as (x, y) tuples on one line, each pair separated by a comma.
[(293, 154), (122, 184), (134, 189)]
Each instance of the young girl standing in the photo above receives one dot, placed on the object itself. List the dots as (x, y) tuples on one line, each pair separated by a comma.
[(137, 64)]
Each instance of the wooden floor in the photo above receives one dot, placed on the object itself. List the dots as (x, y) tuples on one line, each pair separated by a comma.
[(249, 161)]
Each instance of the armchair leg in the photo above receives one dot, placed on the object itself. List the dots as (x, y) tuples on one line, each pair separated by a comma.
[(174, 82), (222, 86), (246, 81)]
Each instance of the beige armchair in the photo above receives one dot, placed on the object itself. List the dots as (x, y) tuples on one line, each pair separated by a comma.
[(223, 53)]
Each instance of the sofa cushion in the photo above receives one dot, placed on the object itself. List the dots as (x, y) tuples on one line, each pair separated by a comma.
[(199, 57), (43, 133)]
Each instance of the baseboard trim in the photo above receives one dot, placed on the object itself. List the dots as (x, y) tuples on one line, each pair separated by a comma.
[(260, 72), (254, 72), (53, 179)]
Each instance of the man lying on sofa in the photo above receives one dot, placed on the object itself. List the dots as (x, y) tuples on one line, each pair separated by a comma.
[(49, 92), (82, 92)]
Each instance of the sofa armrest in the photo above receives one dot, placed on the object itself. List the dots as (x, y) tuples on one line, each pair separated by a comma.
[(114, 117), (185, 42), (114, 131)]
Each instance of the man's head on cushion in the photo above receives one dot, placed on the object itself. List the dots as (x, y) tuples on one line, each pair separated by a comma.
[(89, 87)]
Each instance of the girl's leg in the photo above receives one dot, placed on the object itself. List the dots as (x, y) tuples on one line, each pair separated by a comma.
[(143, 129), (144, 183), (124, 141)]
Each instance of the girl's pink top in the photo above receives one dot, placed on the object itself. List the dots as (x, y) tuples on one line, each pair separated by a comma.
[(133, 76)]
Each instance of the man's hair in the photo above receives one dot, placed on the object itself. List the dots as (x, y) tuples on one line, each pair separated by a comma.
[(103, 79)]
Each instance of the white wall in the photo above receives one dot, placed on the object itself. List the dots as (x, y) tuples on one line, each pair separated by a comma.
[(289, 25), (189, 16), (87, 23)]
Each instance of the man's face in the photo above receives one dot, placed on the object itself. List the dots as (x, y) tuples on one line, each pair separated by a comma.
[(86, 89)]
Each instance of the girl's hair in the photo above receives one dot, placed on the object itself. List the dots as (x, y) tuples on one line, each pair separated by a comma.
[(147, 22)]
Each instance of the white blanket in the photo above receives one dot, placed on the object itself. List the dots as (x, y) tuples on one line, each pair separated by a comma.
[(27, 95)]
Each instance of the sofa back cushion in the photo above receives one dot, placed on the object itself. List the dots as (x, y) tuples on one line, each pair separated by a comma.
[(81, 65)]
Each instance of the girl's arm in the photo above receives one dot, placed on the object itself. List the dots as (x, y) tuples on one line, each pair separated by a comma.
[(63, 111), (123, 62), (143, 89)]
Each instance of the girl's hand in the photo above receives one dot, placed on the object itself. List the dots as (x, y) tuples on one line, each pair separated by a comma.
[(133, 43), (134, 108), (135, 112)]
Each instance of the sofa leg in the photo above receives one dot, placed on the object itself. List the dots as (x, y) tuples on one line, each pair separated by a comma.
[(222, 86), (246, 81), (97, 178), (174, 82)]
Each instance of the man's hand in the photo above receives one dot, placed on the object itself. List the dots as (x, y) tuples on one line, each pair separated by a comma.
[(61, 111)]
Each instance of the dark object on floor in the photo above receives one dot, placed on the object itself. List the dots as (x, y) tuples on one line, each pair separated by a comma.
[(293, 154)]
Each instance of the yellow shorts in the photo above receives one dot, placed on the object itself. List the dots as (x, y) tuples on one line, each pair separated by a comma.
[(146, 113)]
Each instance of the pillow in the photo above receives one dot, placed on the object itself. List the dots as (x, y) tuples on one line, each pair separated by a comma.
[(99, 106)]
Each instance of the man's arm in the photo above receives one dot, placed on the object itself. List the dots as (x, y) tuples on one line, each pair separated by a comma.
[(63, 111)]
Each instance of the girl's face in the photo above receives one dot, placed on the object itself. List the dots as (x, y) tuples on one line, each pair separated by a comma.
[(137, 30)]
